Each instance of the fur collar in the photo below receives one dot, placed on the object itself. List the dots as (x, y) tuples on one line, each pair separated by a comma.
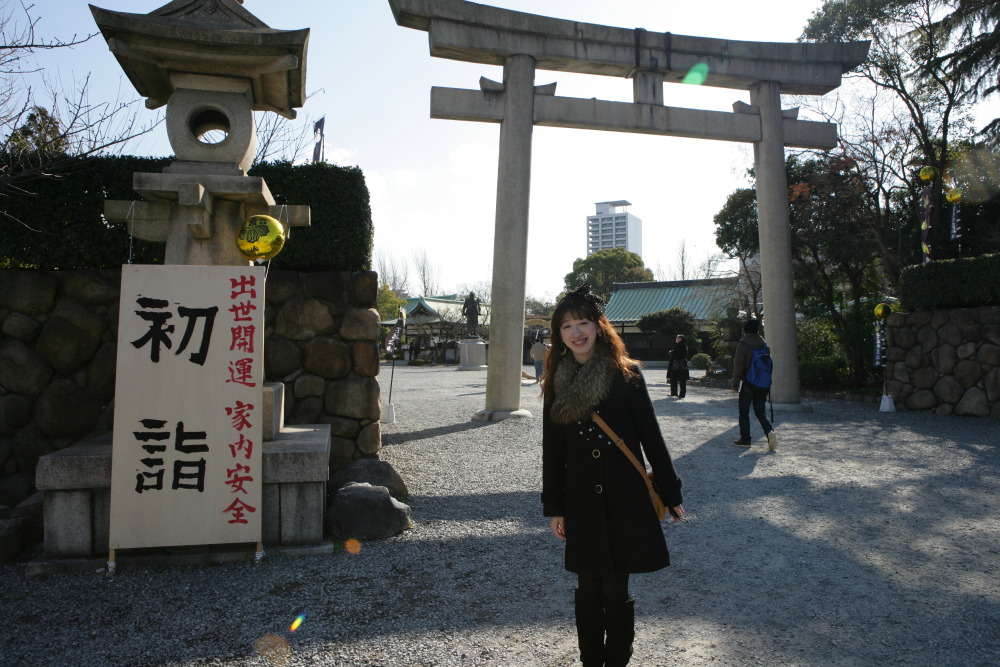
[(580, 388)]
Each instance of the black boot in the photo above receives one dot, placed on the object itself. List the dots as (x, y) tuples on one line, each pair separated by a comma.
[(590, 628), (620, 621)]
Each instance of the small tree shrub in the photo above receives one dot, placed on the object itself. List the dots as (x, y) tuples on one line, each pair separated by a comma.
[(701, 361), (822, 372)]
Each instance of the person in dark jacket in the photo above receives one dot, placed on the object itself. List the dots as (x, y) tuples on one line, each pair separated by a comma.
[(678, 367), (749, 394), (595, 497)]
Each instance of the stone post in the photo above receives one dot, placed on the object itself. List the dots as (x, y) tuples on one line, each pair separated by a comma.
[(510, 243), (775, 244)]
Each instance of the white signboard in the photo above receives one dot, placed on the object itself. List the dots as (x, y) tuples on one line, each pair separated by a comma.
[(186, 461)]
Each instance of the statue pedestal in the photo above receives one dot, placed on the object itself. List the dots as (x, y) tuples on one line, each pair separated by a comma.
[(471, 354)]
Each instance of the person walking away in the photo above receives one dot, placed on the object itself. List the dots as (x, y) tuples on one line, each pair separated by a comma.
[(594, 496), (749, 362), (538, 351), (679, 372)]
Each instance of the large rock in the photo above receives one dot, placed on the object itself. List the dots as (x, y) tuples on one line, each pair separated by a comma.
[(366, 512), (364, 288), (282, 286), (928, 337), (904, 337), (968, 373), (370, 471), (949, 390), (308, 385), (93, 287), (944, 358), (101, 372), (15, 489), (15, 413), (29, 292), (366, 358), (282, 357), (921, 400), (989, 354), (357, 398), (11, 535), (950, 334), (360, 324), (65, 410), (370, 439), (924, 378), (991, 383), (992, 333), (329, 286), (21, 370), (302, 318), (327, 357), (70, 337), (973, 404), (21, 327)]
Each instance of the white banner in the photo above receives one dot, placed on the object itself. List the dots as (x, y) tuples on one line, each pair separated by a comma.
[(186, 461)]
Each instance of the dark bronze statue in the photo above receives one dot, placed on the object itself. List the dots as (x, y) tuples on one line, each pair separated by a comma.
[(471, 311)]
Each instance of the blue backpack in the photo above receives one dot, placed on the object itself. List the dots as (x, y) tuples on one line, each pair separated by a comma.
[(759, 371)]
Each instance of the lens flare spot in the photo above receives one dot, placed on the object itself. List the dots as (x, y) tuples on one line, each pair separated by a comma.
[(697, 74), (352, 546), (298, 621), (274, 649)]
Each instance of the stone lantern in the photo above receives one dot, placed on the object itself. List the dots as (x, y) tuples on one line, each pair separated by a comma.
[(212, 64)]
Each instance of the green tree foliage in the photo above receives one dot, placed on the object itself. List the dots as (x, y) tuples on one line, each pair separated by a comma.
[(40, 133), (538, 307), (606, 267), (924, 105), (832, 250), (736, 235), (670, 322), (387, 303)]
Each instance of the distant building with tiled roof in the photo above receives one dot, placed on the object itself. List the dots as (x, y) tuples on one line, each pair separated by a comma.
[(706, 300)]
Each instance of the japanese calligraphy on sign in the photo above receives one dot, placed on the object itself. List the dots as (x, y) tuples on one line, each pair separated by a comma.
[(186, 462)]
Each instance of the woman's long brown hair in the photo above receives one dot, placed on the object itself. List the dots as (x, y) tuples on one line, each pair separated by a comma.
[(608, 340)]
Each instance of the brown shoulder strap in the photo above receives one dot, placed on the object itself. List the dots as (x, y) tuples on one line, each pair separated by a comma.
[(618, 441)]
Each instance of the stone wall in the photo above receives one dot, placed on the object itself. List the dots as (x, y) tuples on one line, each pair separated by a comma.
[(58, 342), (947, 361)]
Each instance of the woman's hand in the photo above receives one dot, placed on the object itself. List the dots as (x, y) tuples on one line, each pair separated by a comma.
[(558, 526), (676, 513)]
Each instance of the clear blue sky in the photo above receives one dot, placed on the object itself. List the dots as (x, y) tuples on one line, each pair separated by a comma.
[(433, 182)]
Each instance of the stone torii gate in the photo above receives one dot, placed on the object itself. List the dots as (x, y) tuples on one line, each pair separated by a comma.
[(522, 43)]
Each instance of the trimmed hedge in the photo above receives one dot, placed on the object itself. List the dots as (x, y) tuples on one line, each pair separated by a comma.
[(951, 283), (57, 222)]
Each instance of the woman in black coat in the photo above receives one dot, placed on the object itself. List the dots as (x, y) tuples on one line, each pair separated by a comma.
[(597, 500), (678, 372)]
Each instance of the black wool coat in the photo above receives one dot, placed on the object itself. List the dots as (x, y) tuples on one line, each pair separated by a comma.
[(611, 527)]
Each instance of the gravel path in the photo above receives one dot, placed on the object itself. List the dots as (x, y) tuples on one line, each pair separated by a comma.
[(868, 539)]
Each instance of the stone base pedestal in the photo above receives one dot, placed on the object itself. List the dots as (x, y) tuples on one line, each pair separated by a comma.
[(499, 415), (471, 354)]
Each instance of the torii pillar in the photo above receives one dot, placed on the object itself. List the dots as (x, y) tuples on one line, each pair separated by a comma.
[(523, 42)]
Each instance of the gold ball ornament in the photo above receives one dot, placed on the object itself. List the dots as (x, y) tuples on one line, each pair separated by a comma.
[(954, 195), (260, 237), (928, 173), (883, 310)]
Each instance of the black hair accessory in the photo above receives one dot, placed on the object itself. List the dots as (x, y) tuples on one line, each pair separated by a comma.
[(582, 295)]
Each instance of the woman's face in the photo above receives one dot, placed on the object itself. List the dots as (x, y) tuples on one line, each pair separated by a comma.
[(579, 336)]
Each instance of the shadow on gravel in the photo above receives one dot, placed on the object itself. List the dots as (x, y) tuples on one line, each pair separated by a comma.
[(400, 438)]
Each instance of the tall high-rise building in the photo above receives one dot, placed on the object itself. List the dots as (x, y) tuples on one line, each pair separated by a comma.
[(614, 227)]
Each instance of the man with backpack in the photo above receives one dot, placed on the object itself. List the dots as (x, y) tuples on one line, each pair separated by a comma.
[(752, 379)]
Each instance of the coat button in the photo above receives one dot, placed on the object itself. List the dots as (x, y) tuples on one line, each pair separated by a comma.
[(599, 489), (597, 453)]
